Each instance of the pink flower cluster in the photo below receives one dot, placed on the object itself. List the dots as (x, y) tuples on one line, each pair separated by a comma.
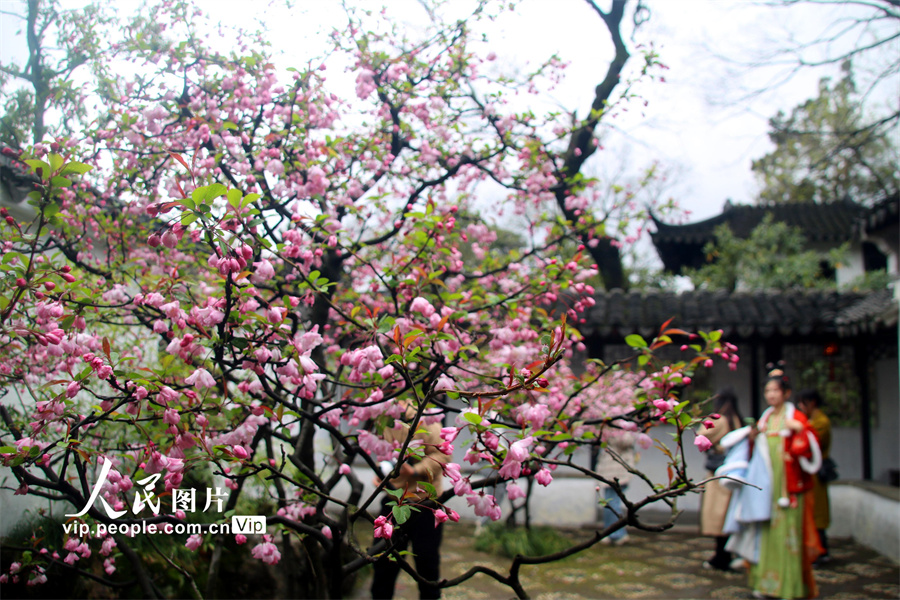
[(365, 361), (266, 551)]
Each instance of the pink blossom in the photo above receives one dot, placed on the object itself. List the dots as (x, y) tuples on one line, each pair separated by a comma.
[(421, 305), (383, 528), (169, 239), (440, 517), (108, 544), (201, 379), (266, 551), (194, 542), (448, 434), (510, 469), (451, 470), (240, 539), (485, 505), (344, 469), (171, 416), (520, 450), (543, 477), (513, 491), (663, 405), (326, 531), (157, 463), (702, 442), (276, 314), (167, 394), (644, 441), (462, 486)]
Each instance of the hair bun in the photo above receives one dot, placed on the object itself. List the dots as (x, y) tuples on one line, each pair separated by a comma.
[(776, 370)]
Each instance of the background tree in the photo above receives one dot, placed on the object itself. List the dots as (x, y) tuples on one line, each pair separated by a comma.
[(774, 256), (51, 74), (826, 151)]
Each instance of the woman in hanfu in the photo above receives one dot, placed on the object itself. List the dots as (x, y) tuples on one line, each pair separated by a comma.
[(788, 541)]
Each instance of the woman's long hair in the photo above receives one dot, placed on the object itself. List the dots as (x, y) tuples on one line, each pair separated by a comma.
[(726, 405)]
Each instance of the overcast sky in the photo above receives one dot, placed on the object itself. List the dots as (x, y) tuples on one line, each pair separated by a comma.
[(694, 124), (698, 125)]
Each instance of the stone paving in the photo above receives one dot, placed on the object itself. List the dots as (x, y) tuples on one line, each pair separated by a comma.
[(667, 565)]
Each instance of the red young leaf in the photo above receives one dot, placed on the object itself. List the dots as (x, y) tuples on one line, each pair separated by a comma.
[(179, 159), (666, 324), (675, 332)]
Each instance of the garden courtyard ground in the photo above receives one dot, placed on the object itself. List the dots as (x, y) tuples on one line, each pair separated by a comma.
[(667, 565)]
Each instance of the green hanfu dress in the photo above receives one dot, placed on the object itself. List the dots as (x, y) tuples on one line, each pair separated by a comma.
[(779, 572)]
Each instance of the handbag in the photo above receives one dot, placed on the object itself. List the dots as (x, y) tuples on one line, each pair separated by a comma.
[(828, 472), (714, 460)]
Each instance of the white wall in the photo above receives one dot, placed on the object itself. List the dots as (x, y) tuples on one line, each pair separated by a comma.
[(869, 518), (886, 427)]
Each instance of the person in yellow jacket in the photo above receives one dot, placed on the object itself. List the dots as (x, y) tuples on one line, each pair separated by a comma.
[(422, 529), (810, 403)]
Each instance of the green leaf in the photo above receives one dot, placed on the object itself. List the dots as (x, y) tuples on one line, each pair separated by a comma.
[(208, 193), (56, 161), (249, 199), (234, 197), (473, 418), (394, 493), (39, 165), (76, 168), (401, 514), (60, 182), (229, 125), (635, 341), (9, 256)]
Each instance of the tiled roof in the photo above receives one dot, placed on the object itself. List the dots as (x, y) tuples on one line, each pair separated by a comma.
[(744, 314), (875, 311), (883, 214), (820, 222), (682, 245), (15, 176)]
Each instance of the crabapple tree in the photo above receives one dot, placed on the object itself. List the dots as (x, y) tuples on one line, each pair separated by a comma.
[(233, 267)]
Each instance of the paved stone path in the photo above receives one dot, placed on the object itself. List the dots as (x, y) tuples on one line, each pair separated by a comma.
[(667, 565)]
